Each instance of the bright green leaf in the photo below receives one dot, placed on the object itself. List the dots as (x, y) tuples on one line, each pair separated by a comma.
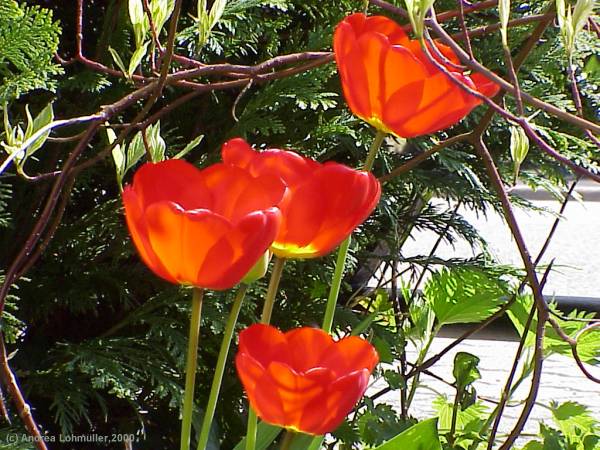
[(422, 436), (463, 295)]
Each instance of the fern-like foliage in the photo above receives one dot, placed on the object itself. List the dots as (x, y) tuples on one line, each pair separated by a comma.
[(28, 38)]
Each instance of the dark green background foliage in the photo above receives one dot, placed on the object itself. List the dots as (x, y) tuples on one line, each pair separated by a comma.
[(99, 341)]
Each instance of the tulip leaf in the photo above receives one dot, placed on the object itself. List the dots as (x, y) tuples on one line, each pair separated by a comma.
[(265, 435), (422, 436), (463, 295)]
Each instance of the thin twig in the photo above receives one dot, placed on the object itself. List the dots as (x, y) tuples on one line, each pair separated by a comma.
[(23, 409)]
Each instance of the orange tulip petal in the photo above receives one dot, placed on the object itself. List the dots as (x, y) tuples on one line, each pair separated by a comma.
[(237, 192), (350, 354), (307, 347), (305, 395), (139, 234), (484, 85), (264, 343), (236, 252), (282, 395), (237, 152), (353, 72), (387, 27), (181, 239), (389, 82), (336, 404), (173, 180)]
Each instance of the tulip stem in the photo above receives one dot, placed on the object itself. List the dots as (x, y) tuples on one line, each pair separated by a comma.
[(220, 369), (272, 290), (190, 370), (286, 442), (375, 145), (336, 282), (265, 318), (338, 274)]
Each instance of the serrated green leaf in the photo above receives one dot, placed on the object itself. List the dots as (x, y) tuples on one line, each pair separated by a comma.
[(461, 295)]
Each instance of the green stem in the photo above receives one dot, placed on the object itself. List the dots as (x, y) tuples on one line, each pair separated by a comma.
[(287, 440), (265, 318), (190, 370), (420, 359), (272, 290), (220, 369), (251, 430), (375, 145), (336, 283), (338, 273)]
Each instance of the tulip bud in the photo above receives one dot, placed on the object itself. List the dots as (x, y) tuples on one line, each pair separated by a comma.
[(504, 13), (519, 147), (417, 9), (259, 269)]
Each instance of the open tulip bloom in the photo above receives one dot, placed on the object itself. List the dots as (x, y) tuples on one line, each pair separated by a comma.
[(389, 82), (303, 380), (324, 203), (205, 228)]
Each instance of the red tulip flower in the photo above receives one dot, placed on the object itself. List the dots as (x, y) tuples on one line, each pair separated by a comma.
[(206, 228), (303, 380), (389, 82), (324, 203)]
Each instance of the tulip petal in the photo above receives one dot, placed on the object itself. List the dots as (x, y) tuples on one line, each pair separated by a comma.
[(311, 228), (139, 234), (335, 404), (350, 354), (307, 347), (237, 152), (484, 85), (173, 180), (237, 193), (353, 72), (388, 28), (181, 239), (283, 394), (441, 105), (264, 343), (236, 252)]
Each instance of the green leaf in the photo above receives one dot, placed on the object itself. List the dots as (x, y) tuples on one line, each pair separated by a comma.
[(463, 295), (574, 420), (422, 436), (588, 342), (136, 58), (161, 11), (470, 419), (156, 143), (465, 369), (117, 154), (189, 147), (117, 59), (265, 435)]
